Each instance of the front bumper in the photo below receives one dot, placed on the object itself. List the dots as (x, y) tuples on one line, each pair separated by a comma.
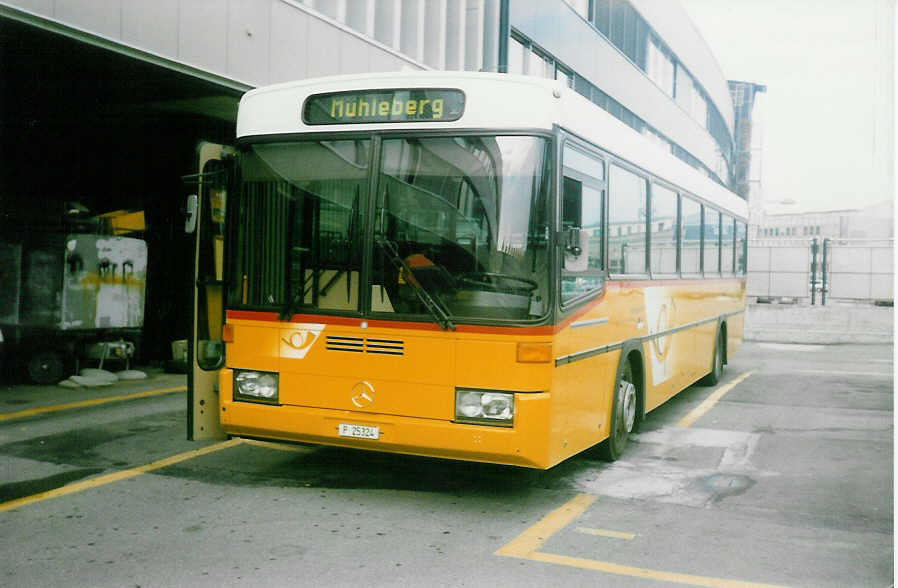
[(525, 444)]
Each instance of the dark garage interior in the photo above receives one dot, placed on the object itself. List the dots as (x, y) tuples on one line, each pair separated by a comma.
[(80, 123)]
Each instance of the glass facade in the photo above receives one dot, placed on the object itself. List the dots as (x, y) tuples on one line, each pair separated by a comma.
[(624, 28)]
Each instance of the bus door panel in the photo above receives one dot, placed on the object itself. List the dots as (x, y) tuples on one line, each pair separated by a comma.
[(582, 397), (206, 221)]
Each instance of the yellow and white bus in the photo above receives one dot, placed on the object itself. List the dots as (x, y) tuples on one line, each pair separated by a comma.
[(462, 265)]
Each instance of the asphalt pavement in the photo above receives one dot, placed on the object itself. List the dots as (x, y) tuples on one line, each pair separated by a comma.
[(780, 476)]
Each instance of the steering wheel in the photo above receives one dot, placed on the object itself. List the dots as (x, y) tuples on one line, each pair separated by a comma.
[(487, 281)]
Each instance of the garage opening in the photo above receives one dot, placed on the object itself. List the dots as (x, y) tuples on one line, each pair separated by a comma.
[(85, 132)]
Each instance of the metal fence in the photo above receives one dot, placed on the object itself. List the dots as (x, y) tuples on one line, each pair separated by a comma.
[(814, 271)]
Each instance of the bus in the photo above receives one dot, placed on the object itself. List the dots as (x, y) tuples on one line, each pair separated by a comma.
[(470, 266)]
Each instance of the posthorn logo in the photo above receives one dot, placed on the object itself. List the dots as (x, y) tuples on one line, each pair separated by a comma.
[(303, 338)]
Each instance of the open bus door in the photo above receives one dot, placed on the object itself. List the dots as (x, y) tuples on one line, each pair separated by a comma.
[(206, 209)]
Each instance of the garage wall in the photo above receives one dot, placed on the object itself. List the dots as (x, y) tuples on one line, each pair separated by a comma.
[(254, 42)]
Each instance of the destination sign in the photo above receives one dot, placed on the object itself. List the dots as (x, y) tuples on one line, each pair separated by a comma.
[(379, 106)]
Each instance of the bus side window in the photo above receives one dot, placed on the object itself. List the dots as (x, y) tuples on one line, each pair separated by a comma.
[(627, 219), (741, 248), (582, 205), (691, 239), (571, 204)]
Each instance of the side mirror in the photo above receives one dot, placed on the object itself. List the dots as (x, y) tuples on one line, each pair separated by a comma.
[(575, 241), (191, 213), (571, 239)]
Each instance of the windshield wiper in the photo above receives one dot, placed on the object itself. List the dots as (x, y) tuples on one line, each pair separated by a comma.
[(290, 301), (440, 316)]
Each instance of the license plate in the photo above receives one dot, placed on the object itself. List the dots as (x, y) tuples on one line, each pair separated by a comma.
[(358, 431)]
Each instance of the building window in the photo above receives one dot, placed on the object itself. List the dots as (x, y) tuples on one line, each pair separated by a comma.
[(581, 7), (660, 67), (564, 75), (657, 139), (516, 54), (538, 66)]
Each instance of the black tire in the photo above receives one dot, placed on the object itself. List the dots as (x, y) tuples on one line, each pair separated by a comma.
[(624, 414), (46, 366), (714, 377)]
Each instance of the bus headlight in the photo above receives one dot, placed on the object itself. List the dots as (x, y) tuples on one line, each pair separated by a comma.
[(483, 407), (255, 386)]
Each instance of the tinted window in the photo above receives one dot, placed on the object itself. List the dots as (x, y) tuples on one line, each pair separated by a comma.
[(626, 222), (664, 230), (582, 208), (741, 248), (711, 258), (691, 230), (727, 244)]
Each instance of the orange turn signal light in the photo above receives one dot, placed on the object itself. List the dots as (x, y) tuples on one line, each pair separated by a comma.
[(534, 352), (227, 333)]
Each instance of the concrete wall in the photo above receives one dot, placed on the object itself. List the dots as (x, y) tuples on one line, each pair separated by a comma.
[(819, 324), (254, 42)]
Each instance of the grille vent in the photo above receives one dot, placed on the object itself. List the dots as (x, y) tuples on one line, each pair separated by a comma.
[(350, 344), (361, 345)]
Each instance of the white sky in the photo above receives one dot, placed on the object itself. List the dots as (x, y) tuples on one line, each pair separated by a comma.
[(828, 115)]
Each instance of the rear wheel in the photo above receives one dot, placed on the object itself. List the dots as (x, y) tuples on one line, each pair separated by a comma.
[(623, 415), (716, 363)]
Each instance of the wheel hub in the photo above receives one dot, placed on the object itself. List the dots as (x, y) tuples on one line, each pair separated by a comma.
[(628, 396)]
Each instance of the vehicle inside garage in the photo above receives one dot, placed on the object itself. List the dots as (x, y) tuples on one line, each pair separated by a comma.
[(88, 133)]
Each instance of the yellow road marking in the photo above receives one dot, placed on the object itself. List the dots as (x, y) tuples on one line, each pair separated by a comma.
[(117, 476), (278, 446), (711, 400), (619, 570), (526, 544), (93, 402), (606, 533)]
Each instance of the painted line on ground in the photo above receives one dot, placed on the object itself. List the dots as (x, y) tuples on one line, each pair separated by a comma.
[(606, 533), (621, 570), (709, 402), (117, 476), (93, 402), (526, 545), (277, 446)]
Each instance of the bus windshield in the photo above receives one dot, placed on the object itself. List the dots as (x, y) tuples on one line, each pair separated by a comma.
[(457, 228)]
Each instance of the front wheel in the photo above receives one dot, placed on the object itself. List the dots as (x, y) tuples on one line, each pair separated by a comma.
[(623, 415)]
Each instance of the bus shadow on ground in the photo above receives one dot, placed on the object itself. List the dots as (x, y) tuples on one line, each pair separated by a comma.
[(339, 468)]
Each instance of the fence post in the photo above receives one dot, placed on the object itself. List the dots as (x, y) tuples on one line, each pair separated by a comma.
[(814, 247), (823, 271)]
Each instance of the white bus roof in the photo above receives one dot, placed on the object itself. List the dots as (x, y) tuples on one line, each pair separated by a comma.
[(493, 102)]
